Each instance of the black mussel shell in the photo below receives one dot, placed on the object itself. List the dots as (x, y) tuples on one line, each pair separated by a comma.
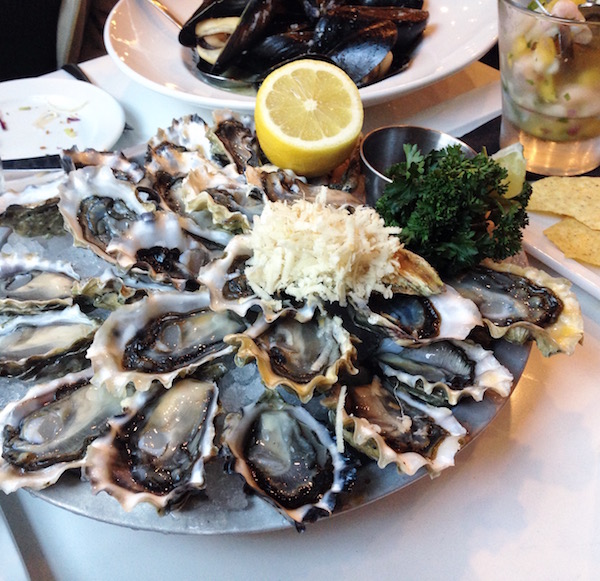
[(209, 9), (254, 21), (361, 54), (275, 50)]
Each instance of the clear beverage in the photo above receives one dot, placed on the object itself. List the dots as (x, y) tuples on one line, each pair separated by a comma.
[(550, 96), (547, 143)]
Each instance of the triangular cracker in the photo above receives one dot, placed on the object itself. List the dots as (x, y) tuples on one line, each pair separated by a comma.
[(576, 240), (578, 197)]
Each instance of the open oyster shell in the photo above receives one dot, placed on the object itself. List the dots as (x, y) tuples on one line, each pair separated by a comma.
[(191, 133), (122, 167), (158, 455), (106, 291), (30, 208), (97, 208), (226, 282), (48, 431), (287, 457), (38, 337), (159, 338), (301, 354), (518, 303), (230, 203), (442, 372), (392, 427), (28, 281), (410, 319)]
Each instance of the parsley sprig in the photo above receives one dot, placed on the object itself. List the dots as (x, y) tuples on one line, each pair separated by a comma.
[(452, 209)]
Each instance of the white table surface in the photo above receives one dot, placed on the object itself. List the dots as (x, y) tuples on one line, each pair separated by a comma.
[(522, 502)]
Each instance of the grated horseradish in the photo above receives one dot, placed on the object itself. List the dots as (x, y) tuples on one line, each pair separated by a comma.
[(309, 249)]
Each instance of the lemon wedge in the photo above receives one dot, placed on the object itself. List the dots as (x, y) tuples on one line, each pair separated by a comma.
[(512, 159), (308, 116)]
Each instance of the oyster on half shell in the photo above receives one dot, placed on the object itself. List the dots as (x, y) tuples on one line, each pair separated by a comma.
[(192, 133), (287, 457), (390, 426), (518, 303), (442, 372), (302, 353), (97, 208), (159, 338), (158, 455), (39, 337), (410, 319), (229, 203), (28, 281), (48, 431), (29, 207)]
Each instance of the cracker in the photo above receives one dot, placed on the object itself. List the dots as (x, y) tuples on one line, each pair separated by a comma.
[(576, 240), (577, 197)]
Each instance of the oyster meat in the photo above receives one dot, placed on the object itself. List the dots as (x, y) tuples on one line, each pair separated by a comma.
[(159, 338), (158, 455), (412, 319), (302, 355), (30, 208), (29, 281), (97, 208), (390, 426), (286, 457), (442, 372), (518, 303), (48, 431), (36, 338)]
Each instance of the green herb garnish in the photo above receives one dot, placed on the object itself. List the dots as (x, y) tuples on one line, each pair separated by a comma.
[(452, 210)]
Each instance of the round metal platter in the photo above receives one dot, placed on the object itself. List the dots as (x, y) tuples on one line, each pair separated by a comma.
[(225, 507)]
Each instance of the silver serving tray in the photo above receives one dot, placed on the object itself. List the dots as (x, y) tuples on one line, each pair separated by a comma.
[(225, 507)]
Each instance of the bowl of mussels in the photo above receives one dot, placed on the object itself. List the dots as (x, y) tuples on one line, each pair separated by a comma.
[(237, 44), (222, 50)]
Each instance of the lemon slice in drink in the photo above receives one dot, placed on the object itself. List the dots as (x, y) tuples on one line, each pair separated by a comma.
[(308, 116), (511, 158)]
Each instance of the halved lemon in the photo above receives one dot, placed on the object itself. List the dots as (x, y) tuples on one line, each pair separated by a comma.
[(308, 116)]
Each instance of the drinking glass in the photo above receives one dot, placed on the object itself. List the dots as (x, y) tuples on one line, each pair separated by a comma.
[(550, 74)]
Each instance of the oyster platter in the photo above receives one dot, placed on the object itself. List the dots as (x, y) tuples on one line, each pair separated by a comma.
[(198, 341)]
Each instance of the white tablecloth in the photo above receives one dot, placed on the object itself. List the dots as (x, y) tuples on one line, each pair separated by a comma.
[(522, 502)]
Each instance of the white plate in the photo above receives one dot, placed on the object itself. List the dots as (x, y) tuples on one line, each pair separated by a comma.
[(43, 116), (144, 45), (537, 245)]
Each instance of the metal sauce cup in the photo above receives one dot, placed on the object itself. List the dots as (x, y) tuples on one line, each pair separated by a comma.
[(384, 147)]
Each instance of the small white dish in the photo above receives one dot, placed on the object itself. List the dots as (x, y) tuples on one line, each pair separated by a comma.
[(43, 116), (585, 276), (144, 44)]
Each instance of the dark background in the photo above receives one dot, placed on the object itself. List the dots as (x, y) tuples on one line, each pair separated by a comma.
[(27, 37)]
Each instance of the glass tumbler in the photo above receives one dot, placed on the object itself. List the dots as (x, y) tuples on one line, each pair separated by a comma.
[(550, 75)]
